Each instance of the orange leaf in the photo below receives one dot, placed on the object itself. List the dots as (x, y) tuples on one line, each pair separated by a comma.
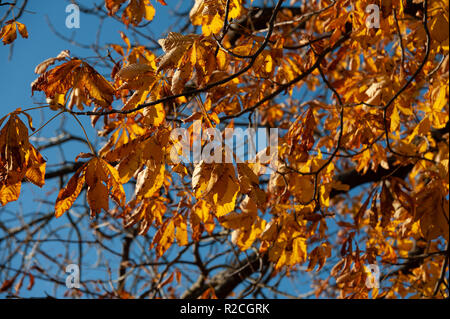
[(164, 237), (86, 83), (22, 30), (9, 193), (36, 170), (69, 194), (8, 33)]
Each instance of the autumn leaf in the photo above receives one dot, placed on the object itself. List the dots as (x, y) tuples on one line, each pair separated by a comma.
[(150, 179), (247, 226), (14, 146), (301, 134), (201, 218), (174, 46), (142, 78), (87, 85), (36, 170), (19, 159), (43, 66), (9, 31), (9, 193), (113, 5), (69, 194), (210, 14), (218, 184), (145, 212), (134, 71), (154, 115), (135, 11), (223, 188), (249, 184), (319, 256), (102, 181), (431, 213), (181, 233), (164, 237)]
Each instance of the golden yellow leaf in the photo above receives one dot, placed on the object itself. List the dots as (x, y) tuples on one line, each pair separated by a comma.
[(181, 231), (22, 29), (174, 46), (395, 119), (8, 33), (214, 26), (58, 80), (249, 184), (245, 237), (14, 149), (133, 71), (302, 187), (210, 14), (129, 165), (18, 158), (147, 212), (36, 170), (299, 251), (180, 77), (201, 177), (134, 12), (69, 194), (113, 182), (236, 220), (9, 193), (150, 180), (101, 179), (223, 188), (164, 237), (75, 74), (154, 115), (149, 11)]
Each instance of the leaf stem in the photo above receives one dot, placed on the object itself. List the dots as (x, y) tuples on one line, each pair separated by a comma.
[(85, 134), (55, 116), (35, 108)]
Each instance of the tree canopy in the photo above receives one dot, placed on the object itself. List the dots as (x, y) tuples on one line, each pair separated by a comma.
[(350, 202)]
